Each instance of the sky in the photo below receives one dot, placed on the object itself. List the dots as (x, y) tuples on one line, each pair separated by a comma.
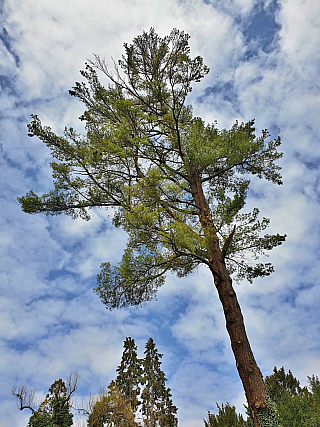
[(264, 59)]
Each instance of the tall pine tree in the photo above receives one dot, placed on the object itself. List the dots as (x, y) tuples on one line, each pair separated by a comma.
[(176, 184)]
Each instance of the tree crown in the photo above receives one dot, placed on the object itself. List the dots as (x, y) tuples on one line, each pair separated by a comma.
[(147, 156)]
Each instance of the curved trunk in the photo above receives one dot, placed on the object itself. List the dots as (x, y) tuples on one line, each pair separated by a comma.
[(248, 369)]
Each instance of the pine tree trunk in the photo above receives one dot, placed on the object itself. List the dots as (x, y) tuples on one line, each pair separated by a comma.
[(248, 369)]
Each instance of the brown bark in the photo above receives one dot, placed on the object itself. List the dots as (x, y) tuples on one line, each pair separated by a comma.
[(248, 369)]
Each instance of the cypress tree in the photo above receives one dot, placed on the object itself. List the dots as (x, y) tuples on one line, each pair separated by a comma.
[(157, 406), (129, 373)]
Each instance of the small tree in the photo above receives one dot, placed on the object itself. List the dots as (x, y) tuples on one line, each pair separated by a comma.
[(54, 411), (129, 373), (177, 185), (157, 406), (112, 409)]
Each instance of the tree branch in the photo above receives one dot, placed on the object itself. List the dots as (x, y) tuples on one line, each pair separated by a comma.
[(227, 243), (26, 398)]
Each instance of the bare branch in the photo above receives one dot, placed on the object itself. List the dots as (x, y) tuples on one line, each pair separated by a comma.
[(72, 384), (25, 398)]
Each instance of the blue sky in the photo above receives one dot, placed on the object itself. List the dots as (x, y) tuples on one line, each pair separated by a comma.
[(264, 58)]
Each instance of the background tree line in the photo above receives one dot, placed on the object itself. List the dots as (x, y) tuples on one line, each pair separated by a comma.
[(295, 406), (139, 397)]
